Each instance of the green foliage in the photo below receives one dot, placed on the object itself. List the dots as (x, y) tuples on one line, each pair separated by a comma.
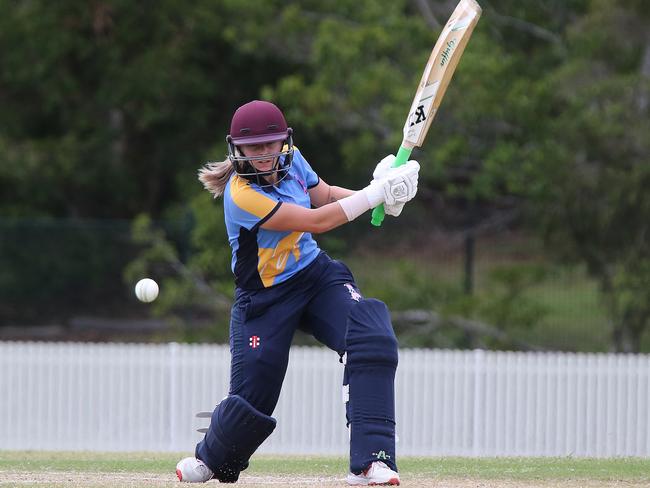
[(503, 300), (194, 296), (211, 254), (50, 270), (404, 285), (111, 92), (110, 107), (506, 302), (357, 72), (592, 200)]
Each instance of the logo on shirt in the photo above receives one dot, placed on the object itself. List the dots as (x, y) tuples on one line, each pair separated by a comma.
[(302, 183), (254, 341), (354, 294)]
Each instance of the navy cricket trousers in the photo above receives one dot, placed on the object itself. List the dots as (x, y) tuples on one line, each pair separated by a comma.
[(263, 322)]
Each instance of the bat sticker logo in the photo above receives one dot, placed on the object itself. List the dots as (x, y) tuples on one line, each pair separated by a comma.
[(422, 113), (419, 115), (463, 22), (446, 54)]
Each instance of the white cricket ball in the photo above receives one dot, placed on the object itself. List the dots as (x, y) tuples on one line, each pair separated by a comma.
[(146, 290)]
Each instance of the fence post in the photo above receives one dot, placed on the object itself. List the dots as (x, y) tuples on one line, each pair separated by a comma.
[(173, 388), (468, 283), (477, 404)]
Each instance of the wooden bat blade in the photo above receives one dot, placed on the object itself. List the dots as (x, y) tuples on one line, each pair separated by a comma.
[(439, 70)]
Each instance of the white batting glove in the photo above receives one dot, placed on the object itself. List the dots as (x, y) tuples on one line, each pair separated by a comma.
[(393, 210), (396, 188), (384, 168)]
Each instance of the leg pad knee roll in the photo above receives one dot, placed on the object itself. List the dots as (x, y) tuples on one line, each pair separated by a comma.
[(370, 339)]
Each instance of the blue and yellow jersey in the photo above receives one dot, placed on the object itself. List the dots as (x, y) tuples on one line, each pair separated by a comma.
[(260, 257)]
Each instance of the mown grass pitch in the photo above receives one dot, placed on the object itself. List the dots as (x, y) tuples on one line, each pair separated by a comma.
[(71, 469)]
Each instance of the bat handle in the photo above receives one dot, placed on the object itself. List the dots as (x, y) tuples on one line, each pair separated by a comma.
[(401, 158)]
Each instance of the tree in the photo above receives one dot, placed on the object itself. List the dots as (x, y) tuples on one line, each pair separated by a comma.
[(106, 105), (587, 172), (109, 107)]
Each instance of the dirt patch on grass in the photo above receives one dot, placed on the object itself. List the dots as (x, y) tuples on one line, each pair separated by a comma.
[(71, 479)]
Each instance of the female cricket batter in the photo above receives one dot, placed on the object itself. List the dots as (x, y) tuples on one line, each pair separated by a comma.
[(273, 201)]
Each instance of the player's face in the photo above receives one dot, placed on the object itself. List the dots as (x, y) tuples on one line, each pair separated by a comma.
[(257, 150)]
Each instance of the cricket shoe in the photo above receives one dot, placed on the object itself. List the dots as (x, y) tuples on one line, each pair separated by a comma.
[(376, 474), (193, 470)]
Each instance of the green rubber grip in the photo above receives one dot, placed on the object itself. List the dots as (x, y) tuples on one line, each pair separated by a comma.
[(401, 158)]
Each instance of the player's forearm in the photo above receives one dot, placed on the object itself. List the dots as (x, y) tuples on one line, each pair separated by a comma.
[(322, 194), (332, 215), (326, 218), (338, 192), (347, 207), (292, 218)]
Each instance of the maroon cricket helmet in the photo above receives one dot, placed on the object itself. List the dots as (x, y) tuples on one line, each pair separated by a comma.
[(258, 122)]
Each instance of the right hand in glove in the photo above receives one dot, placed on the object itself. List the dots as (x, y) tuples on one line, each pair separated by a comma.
[(384, 168), (396, 187)]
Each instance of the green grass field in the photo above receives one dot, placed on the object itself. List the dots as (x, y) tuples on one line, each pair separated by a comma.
[(31, 469)]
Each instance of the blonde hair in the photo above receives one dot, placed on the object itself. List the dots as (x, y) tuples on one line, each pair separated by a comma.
[(215, 176)]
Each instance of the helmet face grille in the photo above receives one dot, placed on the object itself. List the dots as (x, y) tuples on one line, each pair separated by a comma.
[(258, 122), (245, 168)]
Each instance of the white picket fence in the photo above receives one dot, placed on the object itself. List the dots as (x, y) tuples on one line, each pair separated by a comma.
[(119, 397)]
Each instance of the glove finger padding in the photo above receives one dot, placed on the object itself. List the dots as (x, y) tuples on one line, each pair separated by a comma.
[(394, 210), (383, 167)]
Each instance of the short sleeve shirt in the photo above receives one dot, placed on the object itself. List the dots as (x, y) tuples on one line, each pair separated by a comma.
[(262, 258)]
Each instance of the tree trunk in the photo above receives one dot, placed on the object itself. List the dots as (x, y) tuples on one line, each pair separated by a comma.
[(622, 338), (619, 328), (644, 98)]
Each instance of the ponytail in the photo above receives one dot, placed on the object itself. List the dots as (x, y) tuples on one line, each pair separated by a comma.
[(215, 176)]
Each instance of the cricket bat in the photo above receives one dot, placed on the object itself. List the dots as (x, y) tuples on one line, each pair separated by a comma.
[(438, 72)]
